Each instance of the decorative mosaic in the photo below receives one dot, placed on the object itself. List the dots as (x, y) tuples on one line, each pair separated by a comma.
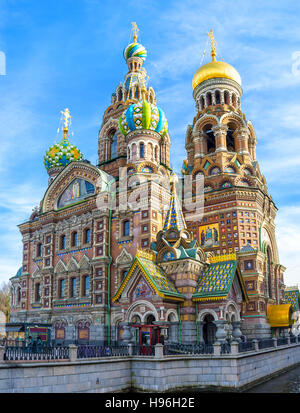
[(292, 297), (174, 217), (216, 279), (61, 154)]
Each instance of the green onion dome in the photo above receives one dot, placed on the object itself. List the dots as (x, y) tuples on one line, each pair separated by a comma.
[(61, 154), (143, 115)]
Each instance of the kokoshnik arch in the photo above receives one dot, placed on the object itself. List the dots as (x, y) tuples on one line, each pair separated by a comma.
[(150, 275)]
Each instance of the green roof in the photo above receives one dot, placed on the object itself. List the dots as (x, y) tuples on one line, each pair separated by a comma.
[(216, 280)]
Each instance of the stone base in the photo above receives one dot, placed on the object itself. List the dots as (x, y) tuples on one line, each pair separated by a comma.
[(256, 327), (188, 332)]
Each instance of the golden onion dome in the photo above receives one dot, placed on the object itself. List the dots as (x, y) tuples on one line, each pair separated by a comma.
[(215, 69)]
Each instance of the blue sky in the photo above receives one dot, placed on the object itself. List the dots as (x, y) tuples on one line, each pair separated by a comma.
[(68, 53)]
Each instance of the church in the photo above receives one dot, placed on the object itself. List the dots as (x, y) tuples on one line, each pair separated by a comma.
[(112, 255)]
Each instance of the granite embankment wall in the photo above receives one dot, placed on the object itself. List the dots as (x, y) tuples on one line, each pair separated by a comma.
[(148, 374)]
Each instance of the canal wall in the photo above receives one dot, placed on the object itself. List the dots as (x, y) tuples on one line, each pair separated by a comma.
[(147, 374)]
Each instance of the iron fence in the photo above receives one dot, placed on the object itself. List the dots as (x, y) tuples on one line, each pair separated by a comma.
[(176, 348), (225, 348), (247, 346), (269, 342), (91, 351), (281, 341), (13, 353), (143, 350), (293, 340)]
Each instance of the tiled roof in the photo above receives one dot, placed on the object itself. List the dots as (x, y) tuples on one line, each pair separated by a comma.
[(156, 278), (216, 280), (174, 217), (292, 297)]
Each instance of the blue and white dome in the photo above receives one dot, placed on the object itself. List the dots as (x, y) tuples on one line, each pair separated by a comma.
[(135, 50)]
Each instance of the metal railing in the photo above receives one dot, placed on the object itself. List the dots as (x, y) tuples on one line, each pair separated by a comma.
[(30, 354), (176, 348), (269, 342), (281, 341), (90, 351), (143, 350), (225, 348), (247, 346)]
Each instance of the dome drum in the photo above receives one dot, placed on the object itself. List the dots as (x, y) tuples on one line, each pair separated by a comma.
[(220, 84)]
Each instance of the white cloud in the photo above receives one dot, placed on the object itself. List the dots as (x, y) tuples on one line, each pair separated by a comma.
[(288, 239)]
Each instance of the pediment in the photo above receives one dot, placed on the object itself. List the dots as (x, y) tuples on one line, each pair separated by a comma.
[(60, 267), (124, 258), (72, 172), (72, 265)]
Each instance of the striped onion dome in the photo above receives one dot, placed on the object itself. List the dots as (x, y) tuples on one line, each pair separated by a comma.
[(61, 154), (135, 50), (143, 115)]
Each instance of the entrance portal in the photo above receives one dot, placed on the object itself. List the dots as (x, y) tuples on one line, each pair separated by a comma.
[(209, 329)]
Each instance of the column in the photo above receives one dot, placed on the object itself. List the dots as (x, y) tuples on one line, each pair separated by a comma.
[(241, 141), (200, 142), (220, 132)]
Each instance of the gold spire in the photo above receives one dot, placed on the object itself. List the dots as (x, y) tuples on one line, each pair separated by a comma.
[(135, 30), (67, 120), (213, 45)]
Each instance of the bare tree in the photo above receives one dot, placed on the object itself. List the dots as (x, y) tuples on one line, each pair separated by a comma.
[(5, 299)]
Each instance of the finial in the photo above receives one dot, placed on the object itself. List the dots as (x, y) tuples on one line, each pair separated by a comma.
[(213, 45), (135, 30), (67, 120)]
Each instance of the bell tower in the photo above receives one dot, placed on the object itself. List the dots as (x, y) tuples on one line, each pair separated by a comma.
[(221, 146)]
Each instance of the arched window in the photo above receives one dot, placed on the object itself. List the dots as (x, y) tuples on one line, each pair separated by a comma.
[(142, 150), (37, 292), (233, 100), (113, 145), (39, 249), (218, 97), (19, 295), (86, 285), (202, 103), (74, 239), (61, 288), (73, 287), (126, 228), (226, 97), (209, 99), (62, 243), (211, 142), (230, 139), (269, 275), (156, 153), (87, 236)]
